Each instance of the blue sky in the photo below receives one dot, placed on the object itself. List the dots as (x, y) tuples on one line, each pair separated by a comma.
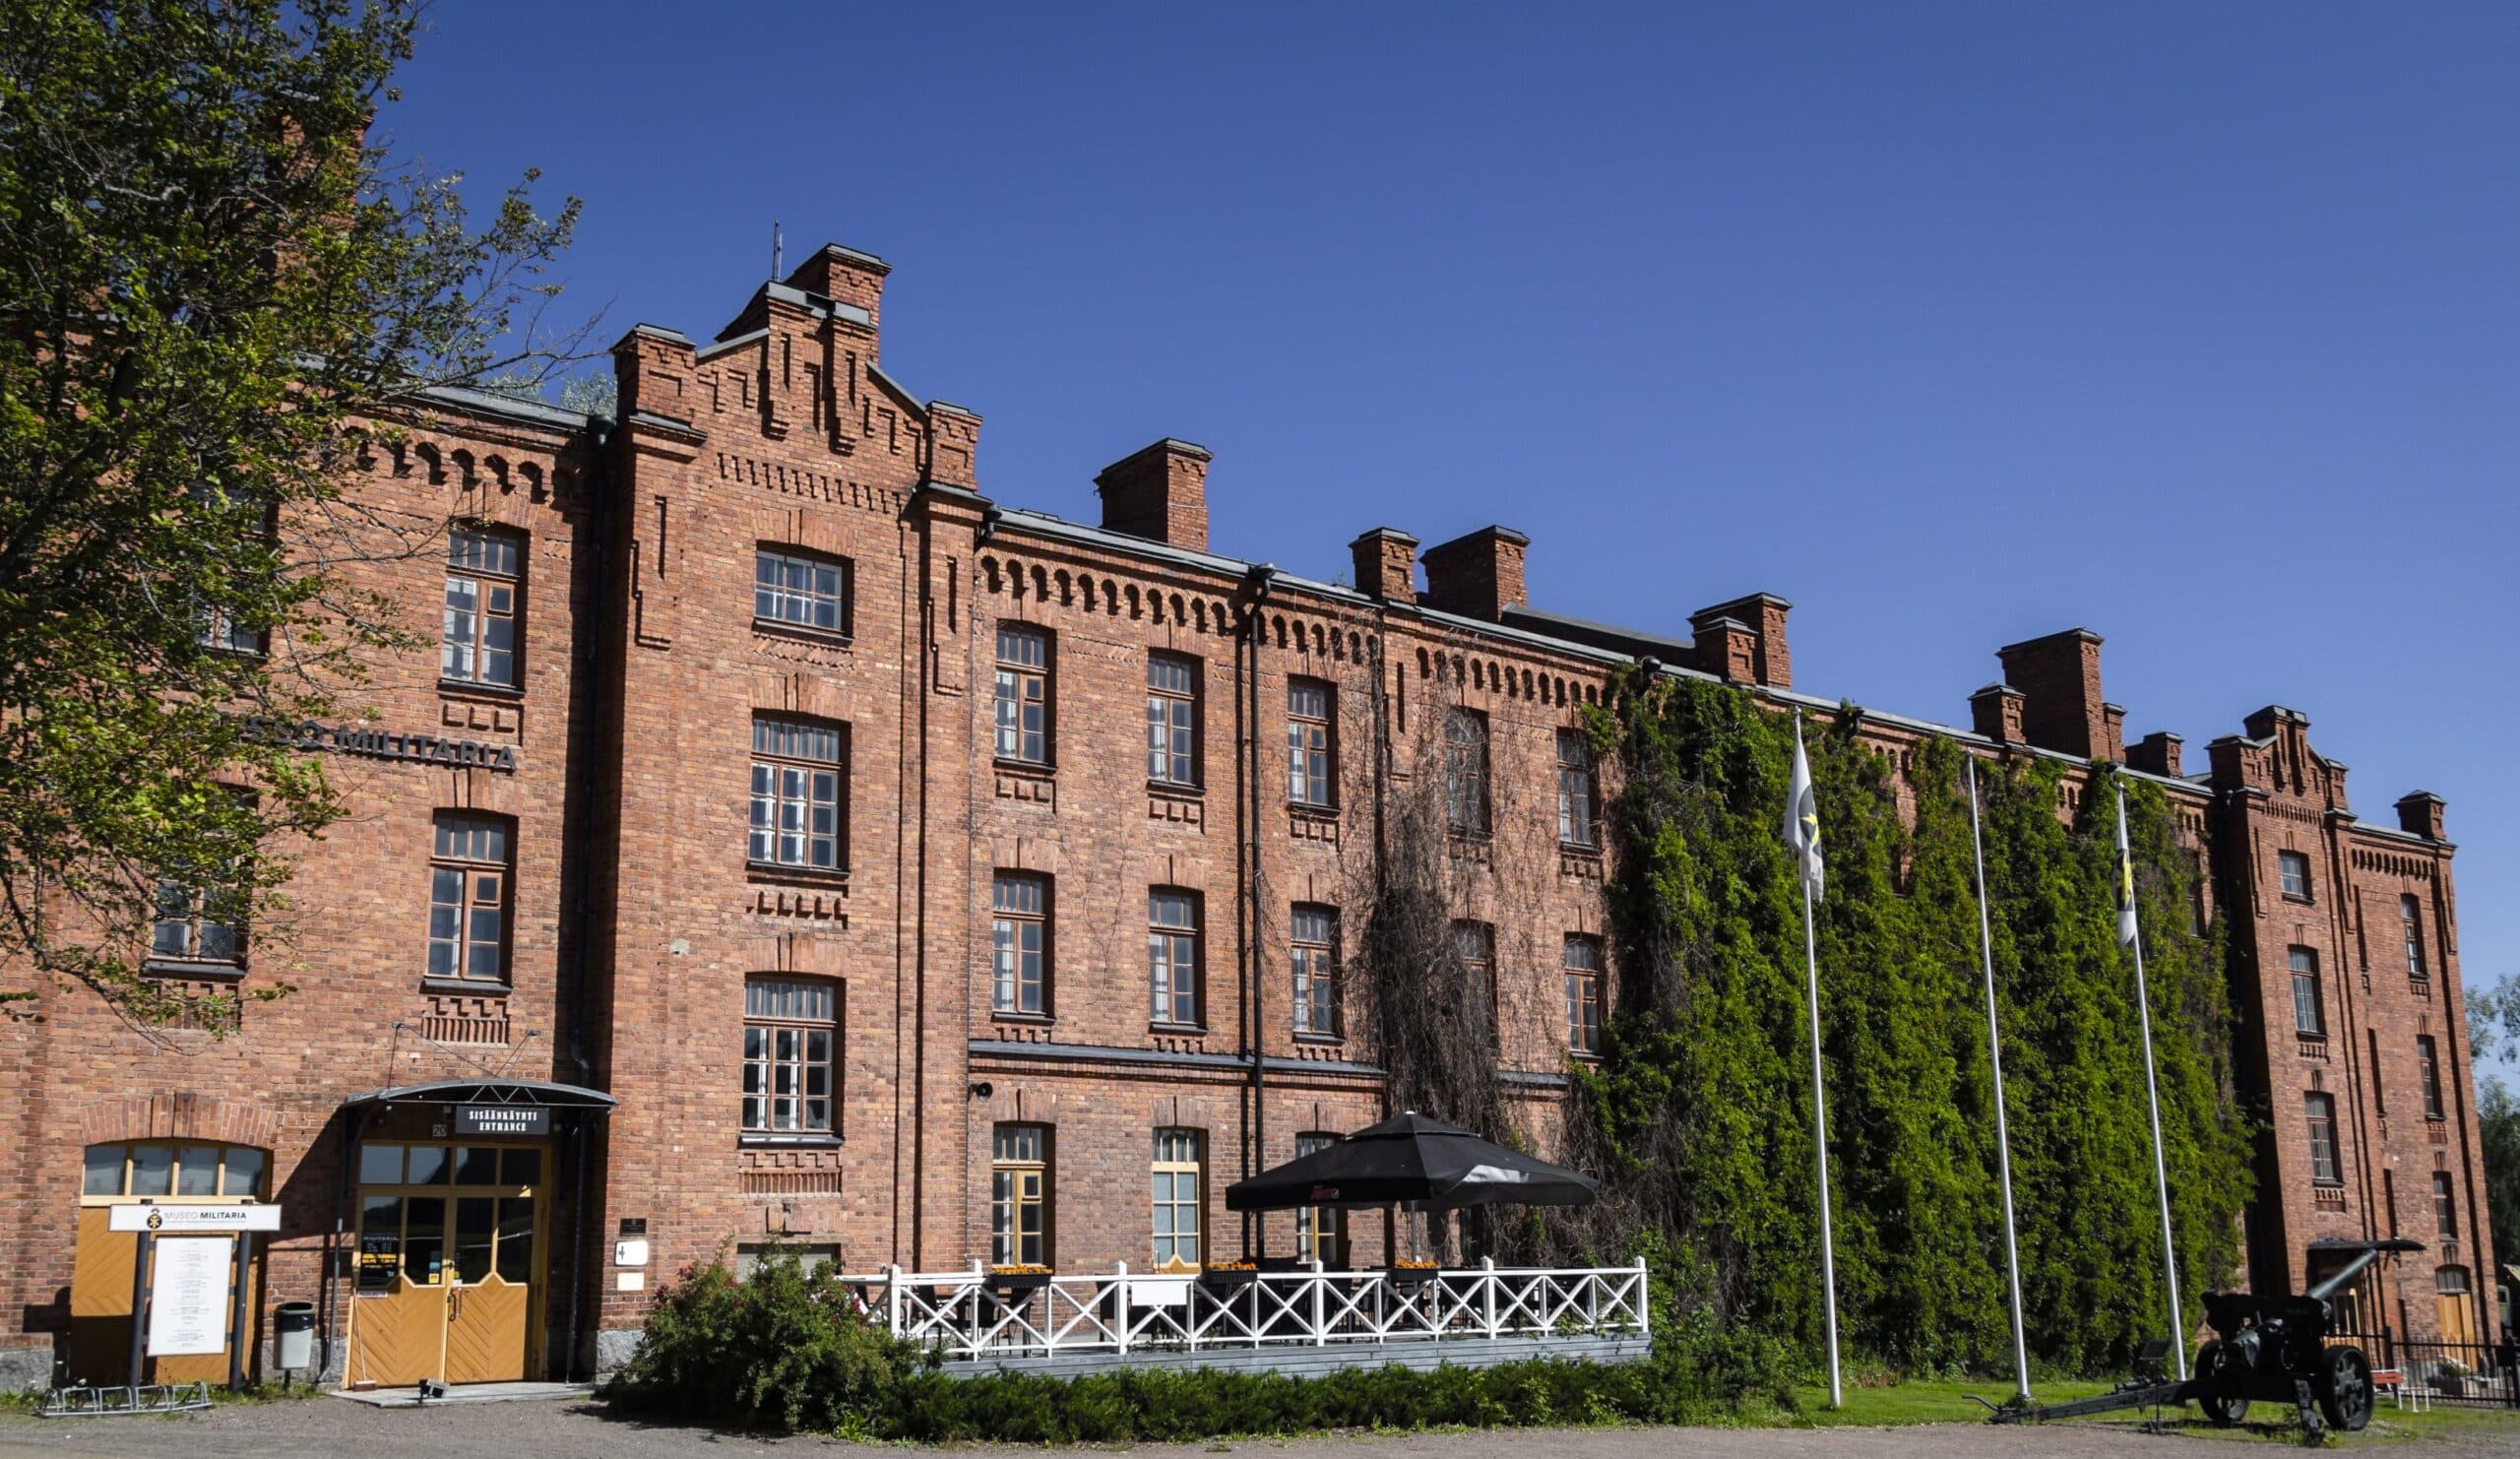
[(1954, 324)]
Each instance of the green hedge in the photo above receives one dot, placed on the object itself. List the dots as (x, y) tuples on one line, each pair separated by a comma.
[(785, 1352)]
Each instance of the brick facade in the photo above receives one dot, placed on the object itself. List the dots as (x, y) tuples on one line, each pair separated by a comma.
[(641, 906)]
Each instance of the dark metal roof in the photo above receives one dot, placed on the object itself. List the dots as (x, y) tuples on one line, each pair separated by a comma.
[(1630, 641), (486, 1091)]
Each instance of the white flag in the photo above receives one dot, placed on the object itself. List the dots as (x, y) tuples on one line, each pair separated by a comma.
[(2125, 878), (1803, 819)]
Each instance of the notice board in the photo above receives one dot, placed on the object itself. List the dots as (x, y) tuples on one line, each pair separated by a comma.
[(188, 1300)]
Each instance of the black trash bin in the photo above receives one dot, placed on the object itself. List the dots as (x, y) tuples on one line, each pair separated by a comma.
[(294, 1330)]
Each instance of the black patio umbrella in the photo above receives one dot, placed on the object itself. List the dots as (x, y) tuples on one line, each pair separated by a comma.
[(1416, 1161)]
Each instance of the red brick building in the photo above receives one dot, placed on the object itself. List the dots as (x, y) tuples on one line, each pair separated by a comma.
[(789, 843)]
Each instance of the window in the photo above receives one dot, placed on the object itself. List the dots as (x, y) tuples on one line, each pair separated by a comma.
[(1583, 995), (2293, 869), (1466, 771), (1180, 1178), (805, 592), (1475, 944), (484, 588), (2445, 1207), (2411, 916), (1321, 1231), (2309, 1020), (2320, 1110), (790, 1027), (175, 1171), (1024, 695), (220, 630), (795, 793), (1577, 808), (1019, 1227), (1312, 774), (1173, 955), (468, 899), (1173, 720), (1019, 941), (1315, 959), (2427, 1057), (196, 923)]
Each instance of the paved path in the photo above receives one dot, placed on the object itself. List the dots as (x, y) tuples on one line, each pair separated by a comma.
[(572, 1430)]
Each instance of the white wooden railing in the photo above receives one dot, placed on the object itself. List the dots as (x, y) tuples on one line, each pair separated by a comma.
[(978, 1313)]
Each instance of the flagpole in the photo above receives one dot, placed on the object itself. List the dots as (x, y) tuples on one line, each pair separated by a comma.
[(1995, 1059), (2152, 1094), (1820, 1122), (1819, 1094)]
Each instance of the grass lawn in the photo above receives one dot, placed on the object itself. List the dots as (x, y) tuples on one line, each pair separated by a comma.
[(1923, 1402), (1949, 1403)]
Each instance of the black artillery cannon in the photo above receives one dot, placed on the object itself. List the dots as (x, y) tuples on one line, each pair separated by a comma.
[(2265, 1349)]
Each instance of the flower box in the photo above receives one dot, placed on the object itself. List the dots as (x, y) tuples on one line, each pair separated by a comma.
[(1227, 1275)]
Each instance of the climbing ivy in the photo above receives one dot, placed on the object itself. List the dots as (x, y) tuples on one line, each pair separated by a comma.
[(1700, 1106)]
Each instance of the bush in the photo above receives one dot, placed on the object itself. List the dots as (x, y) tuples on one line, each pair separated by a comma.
[(788, 1351)]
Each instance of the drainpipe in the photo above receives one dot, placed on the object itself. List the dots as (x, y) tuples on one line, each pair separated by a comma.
[(582, 733), (1255, 586)]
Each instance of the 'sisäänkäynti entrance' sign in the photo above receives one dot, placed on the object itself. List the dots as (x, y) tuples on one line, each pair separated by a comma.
[(502, 1119)]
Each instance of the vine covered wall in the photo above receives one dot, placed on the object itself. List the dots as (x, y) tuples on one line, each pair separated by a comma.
[(1698, 1115)]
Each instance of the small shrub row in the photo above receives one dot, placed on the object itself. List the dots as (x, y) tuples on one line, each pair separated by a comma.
[(786, 1352)]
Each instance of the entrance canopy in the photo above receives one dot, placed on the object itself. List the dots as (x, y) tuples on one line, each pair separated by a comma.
[(1416, 1162), (525, 1093)]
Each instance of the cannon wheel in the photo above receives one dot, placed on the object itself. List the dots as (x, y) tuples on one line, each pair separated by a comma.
[(2220, 1368), (2345, 1389)]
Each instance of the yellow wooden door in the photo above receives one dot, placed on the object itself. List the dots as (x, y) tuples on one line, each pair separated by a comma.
[(485, 1332), (101, 1301), (398, 1335), (489, 1306), (2454, 1308), (100, 1312), (450, 1253)]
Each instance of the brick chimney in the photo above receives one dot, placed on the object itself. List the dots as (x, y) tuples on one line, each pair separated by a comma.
[(1160, 493), (1727, 648), (2157, 753), (2419, 814), (1386, 561), (2113, 734), (2060, 702), (1772, 662), (1996, 712), (847, 275), (1478, 576)]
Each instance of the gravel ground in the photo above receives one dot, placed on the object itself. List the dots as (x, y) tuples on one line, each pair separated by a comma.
[(570, 1429)]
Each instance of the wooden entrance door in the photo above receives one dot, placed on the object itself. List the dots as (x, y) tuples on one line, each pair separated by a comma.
[(450, 1257), (171, 1172), (2453, 1306)]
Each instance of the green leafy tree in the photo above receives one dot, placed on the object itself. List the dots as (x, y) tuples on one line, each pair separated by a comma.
[(2493, 1032), (211, 285)]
